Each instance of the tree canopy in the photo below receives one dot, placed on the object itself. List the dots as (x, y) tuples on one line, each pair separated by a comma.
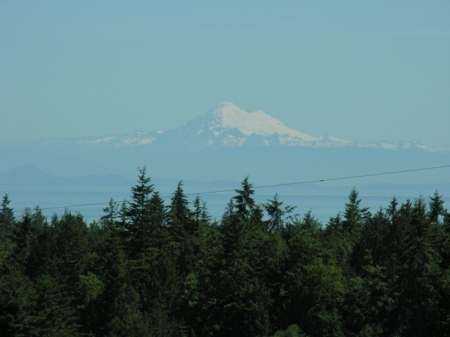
[(150, 269)]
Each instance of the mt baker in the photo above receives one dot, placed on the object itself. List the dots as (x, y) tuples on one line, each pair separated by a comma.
[(226, 143), (230, 126)]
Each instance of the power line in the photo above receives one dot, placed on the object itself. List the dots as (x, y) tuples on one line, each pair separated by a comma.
[(275, 185), (331, 179)]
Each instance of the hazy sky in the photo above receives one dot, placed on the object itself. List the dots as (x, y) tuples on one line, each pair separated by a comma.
[(358, 70)]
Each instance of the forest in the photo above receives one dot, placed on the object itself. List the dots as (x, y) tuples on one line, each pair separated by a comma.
[(147, 268)]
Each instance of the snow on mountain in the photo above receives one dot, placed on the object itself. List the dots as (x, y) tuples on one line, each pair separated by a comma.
[(129, 139), (228, 115), (230, 126), (394, 146), (227, 125)]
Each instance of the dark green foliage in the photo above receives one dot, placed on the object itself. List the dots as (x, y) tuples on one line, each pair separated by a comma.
[(18, 300), (181, 222), (292, 331), (6, 226), (436, 205), (354, 216), (6, 219), (137, 225), (244, 201), (150, 269), (276, 213)]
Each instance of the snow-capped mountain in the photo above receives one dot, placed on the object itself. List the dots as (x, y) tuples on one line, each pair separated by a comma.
[(228, 125), (225, 126), (210, 146), (229, 116)]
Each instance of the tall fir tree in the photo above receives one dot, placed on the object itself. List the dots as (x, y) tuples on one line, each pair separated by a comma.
[(7, 220), (244, 200), (276, 213), (138, 212)]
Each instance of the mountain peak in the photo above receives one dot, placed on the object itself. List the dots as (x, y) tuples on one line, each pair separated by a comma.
[(228, 105), (228, 115)]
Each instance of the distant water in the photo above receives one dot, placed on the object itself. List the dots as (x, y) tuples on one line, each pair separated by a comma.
[(323, 201)]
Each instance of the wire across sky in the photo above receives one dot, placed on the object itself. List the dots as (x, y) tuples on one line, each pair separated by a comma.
[(274, 185)]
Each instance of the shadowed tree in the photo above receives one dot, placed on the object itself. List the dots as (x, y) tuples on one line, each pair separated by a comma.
[(276, 213), (436, 207), (180, 216), (244, 201), (138, 212), (6, 225), (354, 216)]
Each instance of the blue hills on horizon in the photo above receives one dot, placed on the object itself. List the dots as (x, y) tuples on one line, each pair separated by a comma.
[(30, 176)]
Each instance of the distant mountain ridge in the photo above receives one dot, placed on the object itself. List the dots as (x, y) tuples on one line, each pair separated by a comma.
[(227, 125), (29, 175), (225, 143)]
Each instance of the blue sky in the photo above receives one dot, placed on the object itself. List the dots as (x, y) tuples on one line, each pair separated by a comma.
[(358, 70)]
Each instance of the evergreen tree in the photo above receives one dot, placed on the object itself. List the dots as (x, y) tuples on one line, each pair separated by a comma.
[(200, 211), (158, 220), (138, 228), (244, 201), (354, 216), (111, 215), (180, 215), (6, 225), (276, 213), (18, 299), (420, 268), (70, 248), (55, 315), (22, 237), (436, 207)]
